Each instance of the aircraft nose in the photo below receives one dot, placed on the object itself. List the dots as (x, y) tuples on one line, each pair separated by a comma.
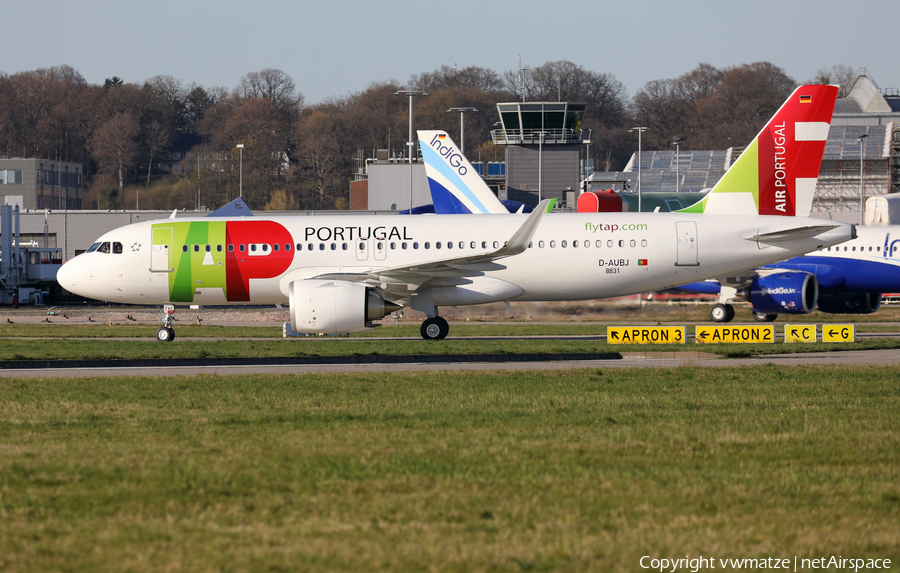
[(67, 276)]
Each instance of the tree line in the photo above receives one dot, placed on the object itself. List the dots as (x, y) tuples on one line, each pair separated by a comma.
[(303, 156)]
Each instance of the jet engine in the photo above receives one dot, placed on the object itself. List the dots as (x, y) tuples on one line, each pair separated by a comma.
[(783, 292), (848, 302), (327, 306)]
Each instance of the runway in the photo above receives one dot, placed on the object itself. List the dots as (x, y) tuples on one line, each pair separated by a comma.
[(626, 360)]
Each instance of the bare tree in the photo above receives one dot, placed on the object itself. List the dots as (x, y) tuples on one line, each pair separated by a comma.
[(468, 78), (273, 85), (114, 146), (838, 74)]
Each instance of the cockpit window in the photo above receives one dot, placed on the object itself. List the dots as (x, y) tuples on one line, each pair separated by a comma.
[(93, 248), (103, 248), (117, 248)]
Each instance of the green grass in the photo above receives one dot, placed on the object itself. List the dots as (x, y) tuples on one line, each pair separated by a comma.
[(581, 470)]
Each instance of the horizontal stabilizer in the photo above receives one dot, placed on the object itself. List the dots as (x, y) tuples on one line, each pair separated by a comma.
[(791, 234)]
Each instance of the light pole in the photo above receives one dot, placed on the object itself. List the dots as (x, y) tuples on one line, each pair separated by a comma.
[(639, 131), (678, 141), (862, 181), (462, 125), (409, 142), (241, 180)]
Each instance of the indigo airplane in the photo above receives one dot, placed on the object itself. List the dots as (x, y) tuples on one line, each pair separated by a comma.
[(845, 279), (342, 273)]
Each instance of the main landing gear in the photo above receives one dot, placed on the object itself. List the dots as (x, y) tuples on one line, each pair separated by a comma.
[(434, 328), (165, 332), (721, 313)]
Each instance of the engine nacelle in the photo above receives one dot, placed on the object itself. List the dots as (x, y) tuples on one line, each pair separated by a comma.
[(328, 306), (848, 302), (784, 293)]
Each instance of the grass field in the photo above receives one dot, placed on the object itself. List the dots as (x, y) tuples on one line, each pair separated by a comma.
[(583, 470)]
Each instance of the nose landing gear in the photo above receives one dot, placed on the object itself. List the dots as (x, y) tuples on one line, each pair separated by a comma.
[(165, 332)]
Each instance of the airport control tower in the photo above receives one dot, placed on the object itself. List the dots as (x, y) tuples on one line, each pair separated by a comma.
[(543, 144)]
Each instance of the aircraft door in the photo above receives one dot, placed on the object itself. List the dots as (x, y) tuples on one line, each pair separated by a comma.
[(686, 232), (362, 250), (161, 250)]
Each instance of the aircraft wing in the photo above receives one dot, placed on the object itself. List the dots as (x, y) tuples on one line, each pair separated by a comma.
[(451, 271)]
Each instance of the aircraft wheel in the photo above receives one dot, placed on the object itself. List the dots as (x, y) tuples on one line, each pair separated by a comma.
[(165, 334), (435, 329), (721, 313), (763, 317)]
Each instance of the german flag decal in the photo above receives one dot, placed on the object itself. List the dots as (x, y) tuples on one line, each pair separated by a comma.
[(805, 99)]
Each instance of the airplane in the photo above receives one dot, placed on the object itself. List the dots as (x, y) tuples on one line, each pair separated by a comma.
[(342, 273), (845, 279)]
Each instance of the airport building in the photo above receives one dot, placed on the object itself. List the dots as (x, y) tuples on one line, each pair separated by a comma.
[(40, 183)]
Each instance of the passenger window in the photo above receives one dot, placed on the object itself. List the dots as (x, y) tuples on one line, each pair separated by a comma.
[(287, 246), (449, 244), (564, 244), (252, 248), (437, 245), (403, 246), (333, 246), (208, 249), (230, 248), (393, 246), (343, 246), (574, 244), (265, 248), (609, 243), (184, 249), (540, 244), (621, 243), (427, 245), (643, 242), (196, 248), (299, 246), (496, 245), (218, 248), (242, 248), (599, 244), (275, 247), (415, 245), (309, 246), (483, 245), (362, 246), (321, 246), (552, 244), (462, 245), (380, 246)]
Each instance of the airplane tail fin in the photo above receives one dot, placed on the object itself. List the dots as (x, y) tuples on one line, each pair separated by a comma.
[(455, 185), (776, 174)]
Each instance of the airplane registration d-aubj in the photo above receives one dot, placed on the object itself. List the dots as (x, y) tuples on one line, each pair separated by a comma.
[(342, 273)]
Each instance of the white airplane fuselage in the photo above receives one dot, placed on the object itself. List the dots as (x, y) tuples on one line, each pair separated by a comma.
[(571, 256)]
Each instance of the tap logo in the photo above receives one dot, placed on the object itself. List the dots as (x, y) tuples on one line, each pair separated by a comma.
[(448, 152)]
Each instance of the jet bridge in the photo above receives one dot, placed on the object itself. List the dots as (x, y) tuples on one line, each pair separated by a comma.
[(27, 271)]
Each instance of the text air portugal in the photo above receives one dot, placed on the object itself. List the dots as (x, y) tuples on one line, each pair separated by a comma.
[(780, 165)]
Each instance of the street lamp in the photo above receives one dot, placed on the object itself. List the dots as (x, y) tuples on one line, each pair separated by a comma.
[(639, 131), (862, 181), (241, 184), (462, 125), (410, 142), (678, 141)]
